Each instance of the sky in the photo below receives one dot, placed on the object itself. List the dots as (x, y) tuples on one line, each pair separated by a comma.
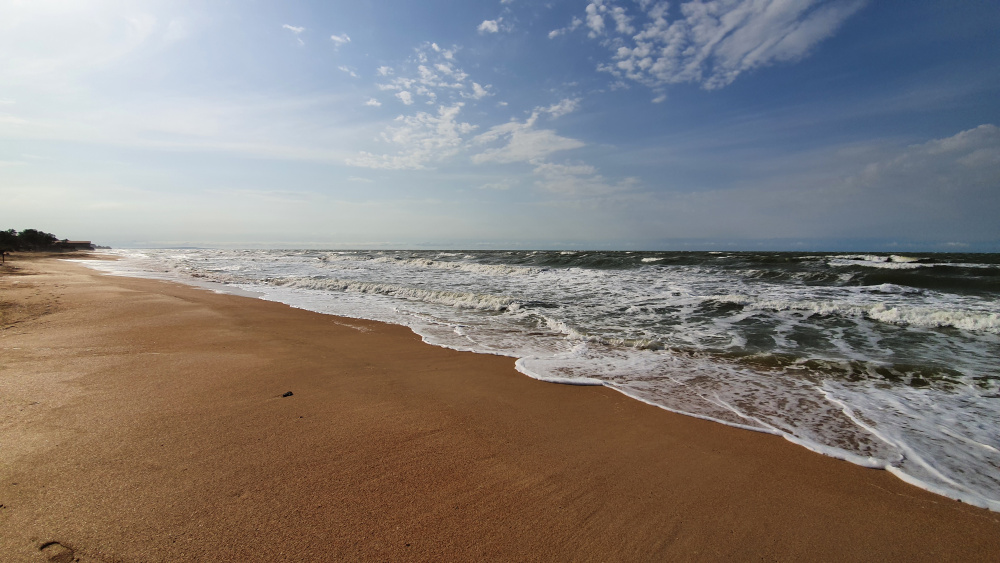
[(606, 124)]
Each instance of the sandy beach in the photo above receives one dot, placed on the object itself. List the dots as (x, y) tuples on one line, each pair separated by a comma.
[(145, 421)]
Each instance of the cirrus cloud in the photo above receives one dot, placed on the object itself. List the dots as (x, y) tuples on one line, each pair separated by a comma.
[(710, 42), (339, 40)]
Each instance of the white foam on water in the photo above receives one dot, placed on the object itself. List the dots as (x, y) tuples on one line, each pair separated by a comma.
[(921, 423), (452, 298), (983, 320), (976, 321)]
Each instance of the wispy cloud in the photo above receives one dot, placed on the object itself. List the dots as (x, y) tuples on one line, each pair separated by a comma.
[(348, 70), (965, 165), (712, 42), (501, 185), (251, 125), (44, 43), (373, 102), (573, 24), (577, 180), (522, 141), (297, 31), (942, 189), (339, 40), (421, 139), (431, 76), (478, 92), (563, 107)]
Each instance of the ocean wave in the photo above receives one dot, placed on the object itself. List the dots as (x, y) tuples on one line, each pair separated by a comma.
[(465, 300), (980, 321), (572, 333), (891, 288), (931, 318), (883, 263), (472, 267)]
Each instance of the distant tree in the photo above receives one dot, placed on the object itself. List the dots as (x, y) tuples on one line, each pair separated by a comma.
[(8, 242), (28, 239), (8, 239), (32, 239)]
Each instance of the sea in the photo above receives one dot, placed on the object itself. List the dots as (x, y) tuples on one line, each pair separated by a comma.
[(889, 361)]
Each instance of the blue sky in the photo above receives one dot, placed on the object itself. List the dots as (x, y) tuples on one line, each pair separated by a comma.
[(838, 124)]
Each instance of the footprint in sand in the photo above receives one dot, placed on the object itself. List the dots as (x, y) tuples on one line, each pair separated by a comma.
[(57, 552)]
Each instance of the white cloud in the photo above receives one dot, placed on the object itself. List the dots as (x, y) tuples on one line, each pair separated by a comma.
[(502, 185), (712, 42), (339, 40), (448, 54), (490, 26), (297, 31), (525, 143), (478, 92), (575, 23), (595, 18), (432, 77), (966, 163), (373, 102), (422, 139), (405, 97), (521, 142), (576, 180), (348, 71), (51, 43), (563, 107), (940, 190), (622, 20)]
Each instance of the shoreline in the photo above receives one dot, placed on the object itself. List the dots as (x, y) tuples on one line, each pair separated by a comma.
[(928, 483), (389, 448)]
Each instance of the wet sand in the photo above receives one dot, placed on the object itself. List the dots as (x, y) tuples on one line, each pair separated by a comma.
[(144, 421)]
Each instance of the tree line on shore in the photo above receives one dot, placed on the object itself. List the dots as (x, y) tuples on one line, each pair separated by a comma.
[(31, 239)]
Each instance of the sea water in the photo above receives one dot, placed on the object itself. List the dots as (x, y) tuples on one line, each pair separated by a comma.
[(884, 360)]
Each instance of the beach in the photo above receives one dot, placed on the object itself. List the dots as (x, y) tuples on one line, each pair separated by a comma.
[(144, 420)]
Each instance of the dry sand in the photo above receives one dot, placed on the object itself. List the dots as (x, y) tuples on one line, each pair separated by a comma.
[(143, 421)]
